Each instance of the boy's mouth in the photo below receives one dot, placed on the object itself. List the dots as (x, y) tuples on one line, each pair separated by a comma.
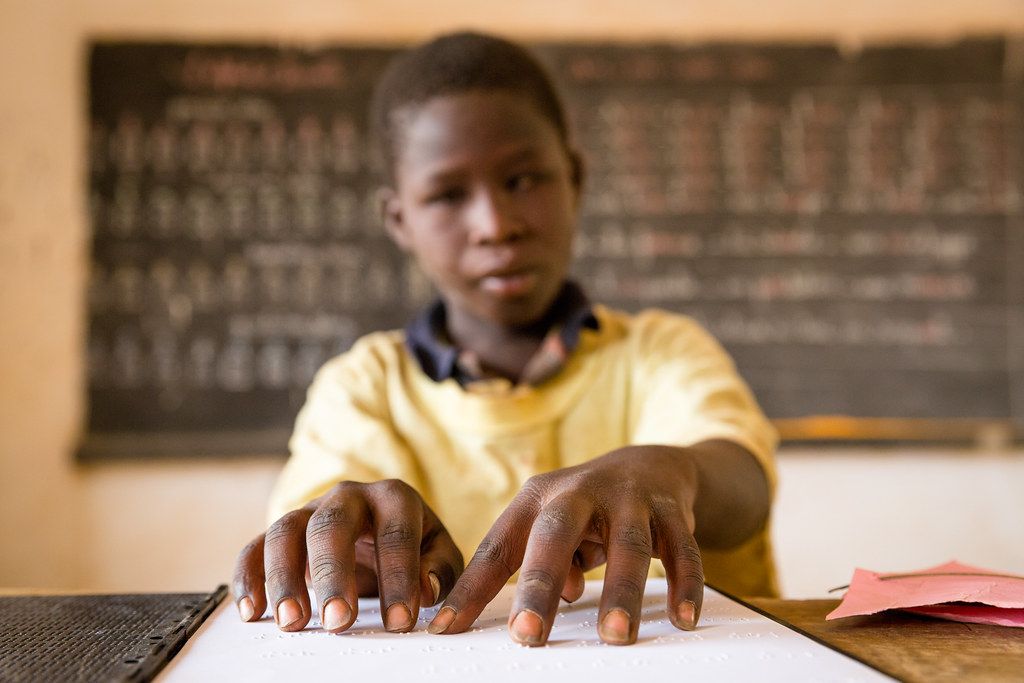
[(509, 284)]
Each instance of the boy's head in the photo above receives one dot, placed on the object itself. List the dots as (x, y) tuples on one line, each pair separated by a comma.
[(483, 185), (453, 64)]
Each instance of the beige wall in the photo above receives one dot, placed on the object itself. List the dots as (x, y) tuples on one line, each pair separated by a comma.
[(176, 525)]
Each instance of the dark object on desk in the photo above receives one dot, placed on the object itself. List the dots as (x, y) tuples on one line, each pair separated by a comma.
[(97, 637), (906, 646)]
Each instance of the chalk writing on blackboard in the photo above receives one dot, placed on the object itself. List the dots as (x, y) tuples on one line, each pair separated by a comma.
[(847, 225)]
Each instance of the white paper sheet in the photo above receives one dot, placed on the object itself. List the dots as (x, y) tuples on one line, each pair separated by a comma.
[(731, 643)]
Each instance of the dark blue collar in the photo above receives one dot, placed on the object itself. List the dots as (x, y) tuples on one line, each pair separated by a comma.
[(427, 339)]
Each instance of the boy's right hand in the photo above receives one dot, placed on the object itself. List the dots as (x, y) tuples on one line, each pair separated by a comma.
[(357, 539)]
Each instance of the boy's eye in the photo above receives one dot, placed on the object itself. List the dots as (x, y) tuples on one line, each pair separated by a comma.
[(448, 195), (522, 182)]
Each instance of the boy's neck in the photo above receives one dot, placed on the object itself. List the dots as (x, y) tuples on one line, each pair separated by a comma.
[(506, 351)]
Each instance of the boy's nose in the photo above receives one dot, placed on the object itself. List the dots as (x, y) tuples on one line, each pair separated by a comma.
[(492, 220)]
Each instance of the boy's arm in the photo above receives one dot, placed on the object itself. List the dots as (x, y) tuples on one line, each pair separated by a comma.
[(733, 499), (702, 465), (687, 391)]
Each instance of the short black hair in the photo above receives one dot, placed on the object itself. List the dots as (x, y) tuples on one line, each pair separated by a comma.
[(452, 64)]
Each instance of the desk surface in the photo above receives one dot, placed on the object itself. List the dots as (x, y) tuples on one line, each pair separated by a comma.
[(907, 646), (732, 643), (902, 645)]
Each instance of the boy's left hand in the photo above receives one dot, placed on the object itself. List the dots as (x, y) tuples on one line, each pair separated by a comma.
[(625, 507)]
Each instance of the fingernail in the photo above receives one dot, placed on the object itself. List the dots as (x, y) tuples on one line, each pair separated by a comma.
[(686, 615), (397, 618), (615, 627), (435, 585), (527, 627), (442, 620), (336, 614), (245, 609), (288, 612)]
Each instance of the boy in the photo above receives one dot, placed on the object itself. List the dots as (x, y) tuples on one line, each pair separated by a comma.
[(599, 437)]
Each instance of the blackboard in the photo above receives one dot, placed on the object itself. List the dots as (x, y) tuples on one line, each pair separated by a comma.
[(850, 226)]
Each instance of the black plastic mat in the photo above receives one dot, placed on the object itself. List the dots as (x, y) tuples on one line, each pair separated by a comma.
[(97, 637)]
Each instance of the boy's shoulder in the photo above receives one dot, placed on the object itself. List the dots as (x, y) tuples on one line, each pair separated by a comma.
[(650, 326), (369, 357), (652, 338)]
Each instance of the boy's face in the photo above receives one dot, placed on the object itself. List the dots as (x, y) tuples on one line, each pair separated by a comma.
[(485, 199)]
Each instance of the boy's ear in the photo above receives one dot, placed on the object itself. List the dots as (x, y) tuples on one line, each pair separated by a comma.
[(391, 215)]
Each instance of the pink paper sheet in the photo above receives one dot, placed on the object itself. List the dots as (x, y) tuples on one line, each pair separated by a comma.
[(996, 598)]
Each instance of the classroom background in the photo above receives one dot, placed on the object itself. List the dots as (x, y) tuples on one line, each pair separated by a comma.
[(177, 523)]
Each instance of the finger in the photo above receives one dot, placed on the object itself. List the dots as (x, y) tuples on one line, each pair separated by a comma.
[(398, 530), (439, 570), (284, 562), (555, 535), (590, 554), (366, 581), (247, 583), (629, 548), (441, 564), (574, 581), (684, 571), (494, 562), (331, 536)]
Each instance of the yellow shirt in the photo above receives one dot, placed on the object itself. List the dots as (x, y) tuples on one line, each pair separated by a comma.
[(650, 378)]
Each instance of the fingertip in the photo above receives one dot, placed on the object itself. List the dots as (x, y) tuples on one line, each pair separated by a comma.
[(443, 620), (435, 587), (398, 618), (289, 614), (575, 584), (246, 610), (685, 616), (616, 628), (337, 615), (527, 628)]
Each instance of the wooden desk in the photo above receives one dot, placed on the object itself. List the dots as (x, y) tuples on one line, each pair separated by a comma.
[(907, 646)]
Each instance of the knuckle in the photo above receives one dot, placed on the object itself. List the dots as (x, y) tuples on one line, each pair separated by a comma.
[(555, 524), (685, 549), (288, 525), (633, 539), (325, 520), (397, 581), (686, 557), (627, 587), (326, 569), (539, 580), (342, 489), (534, 480), (461, 594), (396, 535), (495, 552), (532, 490), (278, 576), (393, 487)]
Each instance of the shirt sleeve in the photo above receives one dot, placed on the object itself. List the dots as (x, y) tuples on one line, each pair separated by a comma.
[(343, 433), (687, 390)]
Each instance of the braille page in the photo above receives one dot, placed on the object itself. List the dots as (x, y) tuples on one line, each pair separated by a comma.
[(731, 643)]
